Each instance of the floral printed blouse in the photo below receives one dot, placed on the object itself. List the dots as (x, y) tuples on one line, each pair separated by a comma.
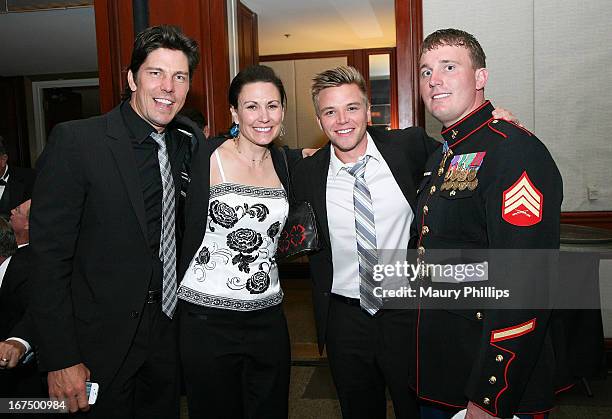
[(234, 267)]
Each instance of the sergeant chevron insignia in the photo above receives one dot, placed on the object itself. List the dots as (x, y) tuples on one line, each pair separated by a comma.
[(522, 203)]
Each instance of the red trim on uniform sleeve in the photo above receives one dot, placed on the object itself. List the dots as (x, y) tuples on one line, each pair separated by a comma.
[(562, 389), (499, 132), (505, 375), (513, 331), (543, 413)]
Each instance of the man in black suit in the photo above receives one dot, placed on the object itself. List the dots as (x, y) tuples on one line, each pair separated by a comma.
[(24, 380), (105, 269), (16, 183), (367, 347)]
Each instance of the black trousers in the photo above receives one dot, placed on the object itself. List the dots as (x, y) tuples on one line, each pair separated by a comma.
[(147, 385), (235, 364), (369, 354)]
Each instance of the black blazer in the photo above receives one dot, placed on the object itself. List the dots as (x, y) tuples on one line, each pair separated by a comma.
[(18, 189), (405, 151), (23, 380), (88, 233), (14, 295), (198, 194)]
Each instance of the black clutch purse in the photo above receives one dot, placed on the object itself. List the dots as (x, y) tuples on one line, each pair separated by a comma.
[(300, 235)]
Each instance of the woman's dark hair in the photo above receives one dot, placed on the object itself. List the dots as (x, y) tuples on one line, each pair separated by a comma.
[(162, 36), (254, 74)]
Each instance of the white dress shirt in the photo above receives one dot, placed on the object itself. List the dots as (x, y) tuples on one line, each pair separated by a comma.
[(5, 177), (392, 216)]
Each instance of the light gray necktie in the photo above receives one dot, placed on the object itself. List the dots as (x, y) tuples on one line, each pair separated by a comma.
[(366, 238), (167, 242)]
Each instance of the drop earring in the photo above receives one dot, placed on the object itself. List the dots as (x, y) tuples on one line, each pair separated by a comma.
[(235, 130)]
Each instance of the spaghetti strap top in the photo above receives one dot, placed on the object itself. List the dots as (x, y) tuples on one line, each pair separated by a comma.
[(234, 268), (221, 172)]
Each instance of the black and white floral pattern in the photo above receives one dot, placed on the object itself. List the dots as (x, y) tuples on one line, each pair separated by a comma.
[(273, 230), (259, 211), (258, 282), (242, 230), (222, 214), (243, 261), (203, 256), (244, 240)]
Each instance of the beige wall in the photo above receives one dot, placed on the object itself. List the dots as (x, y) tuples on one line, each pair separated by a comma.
[(549, 62), (301, 126)]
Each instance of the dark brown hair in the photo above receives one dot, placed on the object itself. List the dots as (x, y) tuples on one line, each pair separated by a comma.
[(456, 38)]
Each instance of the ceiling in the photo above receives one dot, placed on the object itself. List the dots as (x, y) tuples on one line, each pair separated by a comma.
[(48, 41), (323, 25), (64, 40)]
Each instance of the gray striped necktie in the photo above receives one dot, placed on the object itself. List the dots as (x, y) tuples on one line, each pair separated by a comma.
[(366, 238), (167, 242)]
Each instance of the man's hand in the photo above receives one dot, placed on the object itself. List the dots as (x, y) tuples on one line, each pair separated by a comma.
[(11, 352), (506, 115), (475, 412), (69, 384)]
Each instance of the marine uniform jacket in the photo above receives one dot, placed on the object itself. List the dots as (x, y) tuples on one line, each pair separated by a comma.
[(495, 186)]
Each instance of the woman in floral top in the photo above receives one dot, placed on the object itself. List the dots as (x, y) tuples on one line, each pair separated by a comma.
[(233, 332)]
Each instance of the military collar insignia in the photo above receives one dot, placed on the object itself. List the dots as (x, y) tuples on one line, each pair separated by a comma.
[(469, 124)]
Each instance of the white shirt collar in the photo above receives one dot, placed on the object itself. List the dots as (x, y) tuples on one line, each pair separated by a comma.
[(5, 175), (336, 165)]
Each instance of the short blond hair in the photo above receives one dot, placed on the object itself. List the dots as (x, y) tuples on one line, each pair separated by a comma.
[(337, 77)]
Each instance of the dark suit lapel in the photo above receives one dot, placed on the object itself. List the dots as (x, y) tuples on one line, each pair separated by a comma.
[(15, 188), (398, 162), (319, 188), (119, 143)]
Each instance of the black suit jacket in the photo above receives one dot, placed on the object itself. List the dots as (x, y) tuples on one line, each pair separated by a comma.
[(88, 233), (17, 190), (23, 380), (405, 151), (14, 295), (198, 194)]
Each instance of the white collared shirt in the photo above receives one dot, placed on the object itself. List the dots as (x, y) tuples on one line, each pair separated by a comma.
[(5, 177), (392, 215)]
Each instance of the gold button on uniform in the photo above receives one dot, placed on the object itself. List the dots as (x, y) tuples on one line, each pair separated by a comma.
[(425, 209), (432, 190), (453, 193), (421, 251), (492, 379), (499, 358), (486, 401), (440, 171), (495, 121), (479, 315), (425, 230)]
